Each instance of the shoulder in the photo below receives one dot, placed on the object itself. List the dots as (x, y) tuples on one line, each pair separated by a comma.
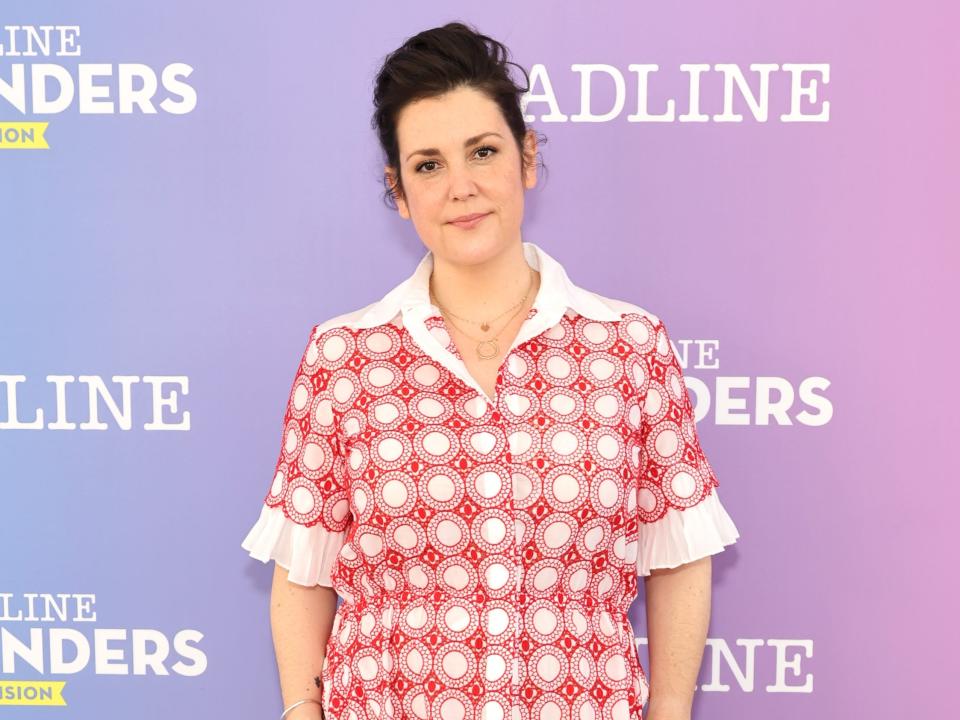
[(375, 314), (333, 343), (624, 309), (383, 312), (638, 326)]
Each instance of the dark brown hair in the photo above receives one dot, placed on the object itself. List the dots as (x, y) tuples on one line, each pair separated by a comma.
[(435, 62)]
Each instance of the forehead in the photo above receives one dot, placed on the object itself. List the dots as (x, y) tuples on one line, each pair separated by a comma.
[(448, 119)]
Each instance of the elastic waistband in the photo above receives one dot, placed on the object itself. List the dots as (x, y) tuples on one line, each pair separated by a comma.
[(520, 599)]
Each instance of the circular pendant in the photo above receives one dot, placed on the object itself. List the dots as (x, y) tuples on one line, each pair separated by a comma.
[(487, 349)]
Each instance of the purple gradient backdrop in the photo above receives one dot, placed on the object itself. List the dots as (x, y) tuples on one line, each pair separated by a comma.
[(208, 244)]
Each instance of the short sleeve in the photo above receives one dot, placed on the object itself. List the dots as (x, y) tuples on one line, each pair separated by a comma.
[(304, 517), (680, 516)]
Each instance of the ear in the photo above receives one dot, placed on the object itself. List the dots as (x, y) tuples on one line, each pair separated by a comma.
[(391, 177), (530, 153)]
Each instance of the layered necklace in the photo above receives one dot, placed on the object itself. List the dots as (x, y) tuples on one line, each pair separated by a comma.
[(487, 348)]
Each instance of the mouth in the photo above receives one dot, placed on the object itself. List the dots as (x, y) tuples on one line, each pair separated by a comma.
[(469, 221)]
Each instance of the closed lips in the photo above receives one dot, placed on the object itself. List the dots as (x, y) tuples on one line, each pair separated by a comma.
[(467, 218)]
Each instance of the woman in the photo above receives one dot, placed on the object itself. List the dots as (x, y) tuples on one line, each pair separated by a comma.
[(482, 462)]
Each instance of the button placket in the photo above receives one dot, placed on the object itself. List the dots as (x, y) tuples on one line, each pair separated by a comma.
[(502, 405)]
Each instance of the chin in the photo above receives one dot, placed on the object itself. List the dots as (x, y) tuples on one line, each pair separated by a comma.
[(472, 249)]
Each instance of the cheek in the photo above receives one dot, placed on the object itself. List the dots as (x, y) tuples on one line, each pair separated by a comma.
[(508, 192), (424, 199), (510, 185)]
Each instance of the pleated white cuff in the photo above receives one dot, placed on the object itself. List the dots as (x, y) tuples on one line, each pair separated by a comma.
[(682, 536), (308, 553)]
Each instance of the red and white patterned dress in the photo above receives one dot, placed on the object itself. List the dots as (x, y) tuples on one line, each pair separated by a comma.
[(487, 549)]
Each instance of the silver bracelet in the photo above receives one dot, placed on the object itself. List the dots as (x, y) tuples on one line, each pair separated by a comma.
[(301, 702)]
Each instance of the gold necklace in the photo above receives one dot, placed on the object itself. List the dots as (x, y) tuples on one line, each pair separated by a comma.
[(485, 324), (486, 348)]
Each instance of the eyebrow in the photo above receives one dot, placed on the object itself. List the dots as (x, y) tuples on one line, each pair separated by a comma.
[(429, 152)]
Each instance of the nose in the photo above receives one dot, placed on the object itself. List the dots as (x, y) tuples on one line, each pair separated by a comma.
[(462, 184)]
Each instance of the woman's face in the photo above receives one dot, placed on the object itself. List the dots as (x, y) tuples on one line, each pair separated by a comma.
[(458, 157)]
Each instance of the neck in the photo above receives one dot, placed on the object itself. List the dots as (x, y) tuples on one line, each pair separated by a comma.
[(482, 290)]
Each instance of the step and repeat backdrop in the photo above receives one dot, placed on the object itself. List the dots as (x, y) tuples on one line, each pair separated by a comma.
[(187, 188)]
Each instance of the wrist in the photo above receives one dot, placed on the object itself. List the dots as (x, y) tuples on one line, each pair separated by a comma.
[(666, 708), (307, 714), (306, 711)]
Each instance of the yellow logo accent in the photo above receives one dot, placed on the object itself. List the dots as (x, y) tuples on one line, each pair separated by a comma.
[(23, 136), (31, 692)]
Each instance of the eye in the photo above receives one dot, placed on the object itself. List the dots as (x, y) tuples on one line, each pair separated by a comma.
[(492, 150), (421, 168)]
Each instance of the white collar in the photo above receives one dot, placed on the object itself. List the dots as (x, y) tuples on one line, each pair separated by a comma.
[(556, 294), (411, 298)]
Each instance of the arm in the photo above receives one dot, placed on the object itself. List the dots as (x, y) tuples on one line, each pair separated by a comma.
[(301, 619), (678, 613)]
